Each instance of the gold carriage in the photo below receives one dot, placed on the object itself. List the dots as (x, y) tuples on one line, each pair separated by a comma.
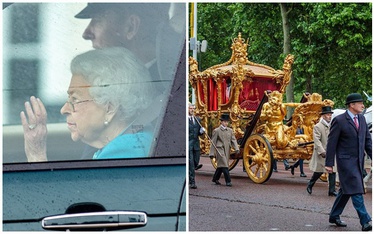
[(252, 94)]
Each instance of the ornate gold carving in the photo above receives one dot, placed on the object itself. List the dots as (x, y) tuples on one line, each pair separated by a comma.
[(285, 141), (288, 61), (239, 49), (193, 66), (283, 77), (272, 115)]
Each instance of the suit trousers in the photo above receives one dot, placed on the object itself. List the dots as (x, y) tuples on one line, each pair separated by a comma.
[(196, 157), (358, 203), (218, 173), (191, 167)]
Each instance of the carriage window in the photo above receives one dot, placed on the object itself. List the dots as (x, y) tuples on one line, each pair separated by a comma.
[(77, 87)]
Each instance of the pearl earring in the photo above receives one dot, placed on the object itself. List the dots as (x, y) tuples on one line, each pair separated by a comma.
[(106, 122)]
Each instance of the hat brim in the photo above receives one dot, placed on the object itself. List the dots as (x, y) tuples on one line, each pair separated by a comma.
[(93, 9), (86, 13), (327, 112), (356, 100)]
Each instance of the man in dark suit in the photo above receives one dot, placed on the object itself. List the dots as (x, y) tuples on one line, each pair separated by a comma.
[(194, 131), (348, 140)]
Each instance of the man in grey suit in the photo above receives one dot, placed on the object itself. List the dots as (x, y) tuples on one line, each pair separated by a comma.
[(317, 162), (222, 140), (348, 140)]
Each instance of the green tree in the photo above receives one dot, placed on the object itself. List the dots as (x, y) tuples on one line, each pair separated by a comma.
[(333, 48)]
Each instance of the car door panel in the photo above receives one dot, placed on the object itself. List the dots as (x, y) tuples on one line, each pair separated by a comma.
[(37, 194)]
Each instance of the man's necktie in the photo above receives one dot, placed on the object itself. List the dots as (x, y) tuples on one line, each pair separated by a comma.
[(191, 119), (356, 122)]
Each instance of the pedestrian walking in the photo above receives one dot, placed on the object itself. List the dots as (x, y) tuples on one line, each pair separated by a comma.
[(194, 131), (348, 140), (318, 160), (223, 139)]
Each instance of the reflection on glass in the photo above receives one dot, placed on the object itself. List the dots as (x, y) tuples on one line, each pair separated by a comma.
[(40, 40)]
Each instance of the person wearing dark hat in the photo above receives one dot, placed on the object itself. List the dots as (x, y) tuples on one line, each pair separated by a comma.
[(317, 162), (194, 131), (223, 138), (142, 28), (130, 25), (348, 140)]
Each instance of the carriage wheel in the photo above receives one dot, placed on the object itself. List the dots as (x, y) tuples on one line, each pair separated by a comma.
[(258, 158), (232, 163), (324, 176)]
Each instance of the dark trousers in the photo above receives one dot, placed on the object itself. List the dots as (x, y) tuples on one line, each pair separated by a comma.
[(196, 157), (314, 178), (219, 171), (358, 203), (300, 163), (285, 162), (331, 180), (191, 167)]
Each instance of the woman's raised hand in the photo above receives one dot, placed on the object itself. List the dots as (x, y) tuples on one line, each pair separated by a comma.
[(35, 130)]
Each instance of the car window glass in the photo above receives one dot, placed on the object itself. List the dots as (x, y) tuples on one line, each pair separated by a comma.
[(39, 42)]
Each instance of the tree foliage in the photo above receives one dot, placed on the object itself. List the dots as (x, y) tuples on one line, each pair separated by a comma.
[(331, 42)]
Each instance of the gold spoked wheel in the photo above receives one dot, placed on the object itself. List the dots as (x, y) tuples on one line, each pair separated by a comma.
[(258, 158), (232, 163), (324, 177)]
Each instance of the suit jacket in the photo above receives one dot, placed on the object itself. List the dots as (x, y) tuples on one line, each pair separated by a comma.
[(193, 134), (348, 144), (223, 139), (320, 135)]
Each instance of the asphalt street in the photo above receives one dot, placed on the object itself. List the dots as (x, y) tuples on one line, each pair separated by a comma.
[(280, 204)]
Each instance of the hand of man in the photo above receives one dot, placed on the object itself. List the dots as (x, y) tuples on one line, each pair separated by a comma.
[(329, 169)]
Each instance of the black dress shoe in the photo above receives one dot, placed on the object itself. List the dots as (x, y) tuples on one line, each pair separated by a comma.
[(366, 227), (338, 222), (216, 182), (292, 170), (309, 189), (198, 166), (287, 167), (302, 175), (228, 184), (193, 186), (334, 194)]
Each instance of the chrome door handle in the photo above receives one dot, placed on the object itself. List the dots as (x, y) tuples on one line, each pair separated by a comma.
[(94, 220)]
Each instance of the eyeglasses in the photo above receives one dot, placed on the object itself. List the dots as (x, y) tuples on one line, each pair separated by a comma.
[(71, 104)]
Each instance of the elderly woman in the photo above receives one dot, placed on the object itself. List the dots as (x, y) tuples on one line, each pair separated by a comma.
[(108, 96)]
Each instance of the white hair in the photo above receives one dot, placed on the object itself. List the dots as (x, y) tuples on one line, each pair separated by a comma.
[(117, 78)]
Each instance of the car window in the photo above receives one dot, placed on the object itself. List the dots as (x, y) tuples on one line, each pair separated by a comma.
[(40, 40)]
